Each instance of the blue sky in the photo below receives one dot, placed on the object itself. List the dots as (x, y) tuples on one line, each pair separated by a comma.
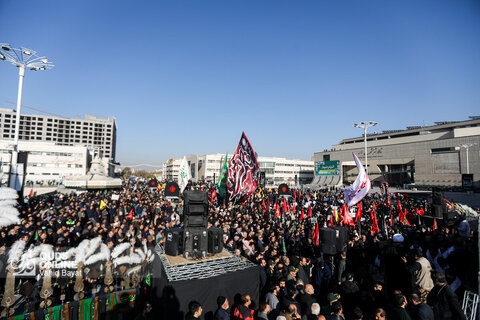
[(187, 77)]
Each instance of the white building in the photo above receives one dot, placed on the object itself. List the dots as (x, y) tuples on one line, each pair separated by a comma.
[(46, 162), (277, 170)]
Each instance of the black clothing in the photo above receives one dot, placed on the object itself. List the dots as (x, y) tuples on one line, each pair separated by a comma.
[(445, 303), (422, 311)]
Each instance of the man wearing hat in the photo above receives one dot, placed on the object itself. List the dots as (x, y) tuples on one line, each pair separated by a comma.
[(292, 274)]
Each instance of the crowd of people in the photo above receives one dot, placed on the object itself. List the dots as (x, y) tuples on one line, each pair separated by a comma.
[(408, 267)]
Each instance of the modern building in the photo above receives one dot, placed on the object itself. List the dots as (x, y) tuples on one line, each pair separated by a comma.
[(46, 162), (277, 170), (94, 132), (435, 155)]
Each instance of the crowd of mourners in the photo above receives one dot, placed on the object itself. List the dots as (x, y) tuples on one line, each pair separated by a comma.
[(413, 269)]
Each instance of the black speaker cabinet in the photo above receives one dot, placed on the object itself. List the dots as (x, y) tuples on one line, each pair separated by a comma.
[(437, 196), (341, 238), (195, 221), (215, 240), (328, 241), (195, 243), (172, 189), (438, 210), (153, 183), (195, 197), (174, 242)]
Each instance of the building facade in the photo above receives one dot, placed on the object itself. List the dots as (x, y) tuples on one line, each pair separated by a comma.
[(435, 155), (46, 162), (277, 170), (94, 132)]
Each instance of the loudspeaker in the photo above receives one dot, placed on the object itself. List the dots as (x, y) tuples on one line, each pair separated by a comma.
[(328, 241), (215, 240), (467, 181), (173, 242), (172, 189), (341, 238), (283, 189), (437, 196), (195, 221), (438, 210), (195, 243), (195, 197)]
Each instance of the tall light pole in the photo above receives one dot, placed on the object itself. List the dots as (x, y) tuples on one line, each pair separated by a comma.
[(467, 146), (22, 58), (365, 125)]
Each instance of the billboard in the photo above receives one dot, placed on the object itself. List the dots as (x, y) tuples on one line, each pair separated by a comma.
[(327, 168)]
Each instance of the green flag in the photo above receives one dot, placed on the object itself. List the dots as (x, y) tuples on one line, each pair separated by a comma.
[(284, 248), (222, 181)]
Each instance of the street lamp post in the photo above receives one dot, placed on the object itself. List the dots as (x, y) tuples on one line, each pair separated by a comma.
[(365, 125), (467, 146), (22, 58)]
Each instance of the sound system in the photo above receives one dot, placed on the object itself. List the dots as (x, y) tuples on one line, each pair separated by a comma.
[(438, 210), (283, 189), (172, 190), (328, 241), (200, 221), (195, 243), (437, 196), (467, 181), (215, 240), (196, 203), (341, 238), (174, 242)]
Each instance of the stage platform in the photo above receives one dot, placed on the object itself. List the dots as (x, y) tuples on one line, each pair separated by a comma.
[(177, 281), (179, 268)]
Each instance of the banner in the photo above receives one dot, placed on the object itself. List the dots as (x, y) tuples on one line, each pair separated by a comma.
[(242, 171), (360, 187), (327, 168), (183, 175)]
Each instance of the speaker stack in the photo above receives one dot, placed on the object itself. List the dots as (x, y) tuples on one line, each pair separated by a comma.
[(333, 240)]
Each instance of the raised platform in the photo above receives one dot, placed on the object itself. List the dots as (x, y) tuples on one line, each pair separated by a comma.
[(179, 268)]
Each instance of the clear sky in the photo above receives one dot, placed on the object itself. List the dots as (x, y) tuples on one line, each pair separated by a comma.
[(187, 77)]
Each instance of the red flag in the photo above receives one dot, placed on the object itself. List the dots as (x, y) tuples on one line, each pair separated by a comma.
[(399, 208), (373, 216), (331, 224), (285, 206), (294, 210), (309, 212), (346, 216), (263, 205), (295, 194), (302, 216), (214, 194), (405, 220), (317, 235), (299, 193), (358, 216), (130, 215), (31, 193), (434, 224), (420, 212), (391, 219), (388, 200), (278, 214)]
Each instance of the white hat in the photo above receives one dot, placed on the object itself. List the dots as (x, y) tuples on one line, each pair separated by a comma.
[(398, 238)]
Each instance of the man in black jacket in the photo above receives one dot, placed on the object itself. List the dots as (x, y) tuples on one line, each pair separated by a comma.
[(444, 301), (420, 310)]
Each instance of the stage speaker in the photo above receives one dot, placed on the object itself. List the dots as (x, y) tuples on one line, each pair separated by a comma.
[(153, 183), (283, 189), (196, 203), (195, 243), (437, 196), (438, 210), (195, 221), (467, 181), (328, 241), (172, 189), (341, 238), (173, 242), (215, 240)]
